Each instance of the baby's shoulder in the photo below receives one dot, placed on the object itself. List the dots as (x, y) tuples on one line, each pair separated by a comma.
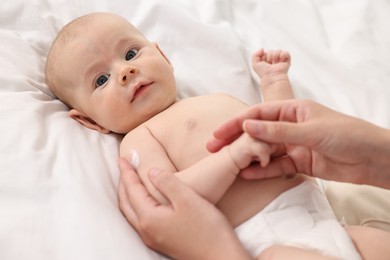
[(137, 134)]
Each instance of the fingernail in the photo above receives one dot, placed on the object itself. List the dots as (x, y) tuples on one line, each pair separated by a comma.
[(134, 160), (252, 126)]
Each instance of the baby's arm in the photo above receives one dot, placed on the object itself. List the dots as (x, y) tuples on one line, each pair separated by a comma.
[(142, 149), (272, 67), (213, 175), (209, 177)]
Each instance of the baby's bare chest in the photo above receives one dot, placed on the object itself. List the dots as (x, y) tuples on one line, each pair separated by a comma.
[(184, 129)]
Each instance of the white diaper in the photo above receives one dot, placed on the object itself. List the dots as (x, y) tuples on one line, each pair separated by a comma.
[(300, 217)]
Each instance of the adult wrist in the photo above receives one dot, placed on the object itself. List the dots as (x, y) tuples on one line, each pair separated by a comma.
[(231, 249)]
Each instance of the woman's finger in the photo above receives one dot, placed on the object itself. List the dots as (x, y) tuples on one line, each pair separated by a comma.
[(125, 206), (137, 195), (171, 187)]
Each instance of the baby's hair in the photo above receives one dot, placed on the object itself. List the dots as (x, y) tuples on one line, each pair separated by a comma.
[(68, 33)]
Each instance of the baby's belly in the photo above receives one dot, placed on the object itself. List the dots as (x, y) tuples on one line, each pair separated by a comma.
[(247, 197)]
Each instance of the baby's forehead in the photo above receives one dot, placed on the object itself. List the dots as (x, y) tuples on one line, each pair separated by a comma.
[(92, 33), (97, 26)]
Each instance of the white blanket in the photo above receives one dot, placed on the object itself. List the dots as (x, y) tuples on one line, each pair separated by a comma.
[(58, 180)]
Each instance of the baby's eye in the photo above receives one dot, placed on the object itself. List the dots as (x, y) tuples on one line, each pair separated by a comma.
[(130, 54), (102, 79)]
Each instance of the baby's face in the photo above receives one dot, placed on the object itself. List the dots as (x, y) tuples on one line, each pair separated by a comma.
[(121, 79)]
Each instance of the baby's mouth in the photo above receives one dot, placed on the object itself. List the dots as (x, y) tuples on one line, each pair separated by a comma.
[(139, 89)]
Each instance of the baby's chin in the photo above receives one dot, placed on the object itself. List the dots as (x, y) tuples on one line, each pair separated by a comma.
[(125, 127)]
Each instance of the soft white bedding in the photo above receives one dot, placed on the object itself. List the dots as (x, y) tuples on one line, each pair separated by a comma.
[(58, 180)]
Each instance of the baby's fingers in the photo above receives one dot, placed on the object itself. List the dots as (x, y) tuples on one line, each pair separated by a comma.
[(281, 166)]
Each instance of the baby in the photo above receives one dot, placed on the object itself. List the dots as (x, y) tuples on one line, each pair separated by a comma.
[(114, 79)]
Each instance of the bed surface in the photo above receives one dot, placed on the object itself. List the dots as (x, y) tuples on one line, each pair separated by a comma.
[(58, 180)]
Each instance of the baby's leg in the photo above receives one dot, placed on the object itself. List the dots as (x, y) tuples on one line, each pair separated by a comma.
[(372, 243), (272, 67), (279, 252)]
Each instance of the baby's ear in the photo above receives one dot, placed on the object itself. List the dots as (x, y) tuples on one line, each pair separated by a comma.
[(87, 121), (162, 53)]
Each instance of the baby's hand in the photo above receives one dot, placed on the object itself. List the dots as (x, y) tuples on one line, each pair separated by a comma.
[(247, 149), (271, 62)]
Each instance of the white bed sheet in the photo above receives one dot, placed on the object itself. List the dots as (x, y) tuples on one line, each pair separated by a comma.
[(58, 180)]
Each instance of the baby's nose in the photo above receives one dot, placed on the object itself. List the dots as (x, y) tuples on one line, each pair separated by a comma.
[(127, 73)]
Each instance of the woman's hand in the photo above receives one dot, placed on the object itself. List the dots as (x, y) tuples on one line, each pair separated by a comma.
[(317, 141), (189, 227)]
